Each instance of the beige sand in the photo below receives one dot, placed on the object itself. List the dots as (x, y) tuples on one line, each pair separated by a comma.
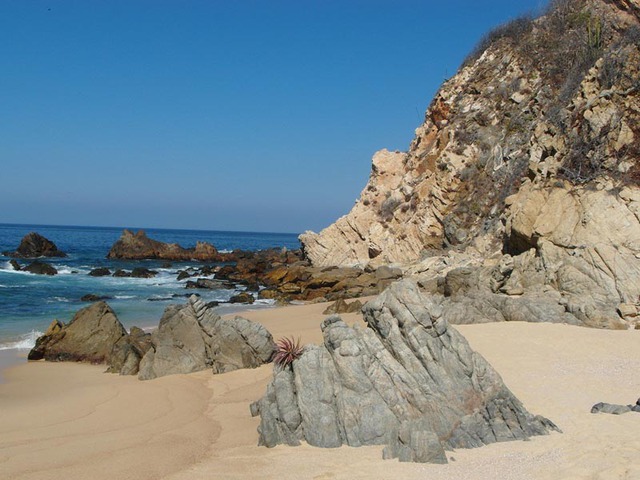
[(68, 421)]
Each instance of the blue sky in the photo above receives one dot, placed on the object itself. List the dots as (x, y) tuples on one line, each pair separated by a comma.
[(217, 115)]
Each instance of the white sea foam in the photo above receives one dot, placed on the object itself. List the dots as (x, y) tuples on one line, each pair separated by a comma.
[(24, 342), (124, 297)]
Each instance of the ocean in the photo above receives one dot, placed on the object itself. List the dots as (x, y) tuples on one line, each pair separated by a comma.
[(29, 302)]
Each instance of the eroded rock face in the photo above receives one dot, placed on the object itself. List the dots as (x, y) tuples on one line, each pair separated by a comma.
[(193, 337), (89, 337), (35, 245), (408, 381)]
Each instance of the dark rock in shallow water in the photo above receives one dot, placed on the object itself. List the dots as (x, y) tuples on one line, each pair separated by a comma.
[(40, 268), (100, 272), (90, 297), (35, 245), (140, 272), (242, 297), (209, 284), (193, 337), (182, 274), (137, 246), (121, 273), (15, 265), (89, 337), (407, 381)]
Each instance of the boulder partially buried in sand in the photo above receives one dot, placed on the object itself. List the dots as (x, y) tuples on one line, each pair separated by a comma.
[(89, 337), (193, 337), (408, 381)]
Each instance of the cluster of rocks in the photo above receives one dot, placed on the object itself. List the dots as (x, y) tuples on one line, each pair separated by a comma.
[(138, 272), (407, 381), (190, 338)]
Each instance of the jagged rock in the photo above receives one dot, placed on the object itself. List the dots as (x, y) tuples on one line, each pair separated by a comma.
[(137, 246), (183, 274), (407, 381), (242, 297), (341, 306), (89, 337), (100, 272), (35, 245), (128, 352), (192, 337), (15, 265), (516, 154), (40, 268)]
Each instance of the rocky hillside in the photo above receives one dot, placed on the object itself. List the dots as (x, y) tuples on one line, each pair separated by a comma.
[(531, 152)]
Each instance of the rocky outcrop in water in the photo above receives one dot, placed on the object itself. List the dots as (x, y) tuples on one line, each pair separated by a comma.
[(137, 246), (407, 381), (89, 337), (193, 337), (40, 268), (34, 245)]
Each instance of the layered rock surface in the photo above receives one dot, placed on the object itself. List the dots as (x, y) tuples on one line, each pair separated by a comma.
[(193, 337), (531, 149), (408, 381)]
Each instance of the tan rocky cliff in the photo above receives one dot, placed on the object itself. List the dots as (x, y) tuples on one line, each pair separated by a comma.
[(530, 151)]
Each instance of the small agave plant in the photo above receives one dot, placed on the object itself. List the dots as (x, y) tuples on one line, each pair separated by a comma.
[(287, 350)]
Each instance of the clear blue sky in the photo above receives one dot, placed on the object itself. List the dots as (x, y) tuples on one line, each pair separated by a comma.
[(228, 115)]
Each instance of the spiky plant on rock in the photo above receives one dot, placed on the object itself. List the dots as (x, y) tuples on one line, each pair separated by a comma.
[(287, 350)]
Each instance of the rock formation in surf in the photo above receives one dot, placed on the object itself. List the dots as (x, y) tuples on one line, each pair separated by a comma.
[(34, 245)]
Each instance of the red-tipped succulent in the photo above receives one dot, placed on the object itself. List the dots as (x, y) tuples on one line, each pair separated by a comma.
[(287, 350)]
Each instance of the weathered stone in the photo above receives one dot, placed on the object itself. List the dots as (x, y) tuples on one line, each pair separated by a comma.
[(408, 381), (140, 272), (611, 408), (15, 265), (242, 297), (192, 337), (35, 245), (91, 297), (210, 284), (128, 352), (341, 306), (89, 337)]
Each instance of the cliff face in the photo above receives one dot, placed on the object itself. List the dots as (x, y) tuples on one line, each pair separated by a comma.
[(542, 115)]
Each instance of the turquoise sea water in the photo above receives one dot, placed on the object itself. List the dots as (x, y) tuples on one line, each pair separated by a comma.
[(29, 302)]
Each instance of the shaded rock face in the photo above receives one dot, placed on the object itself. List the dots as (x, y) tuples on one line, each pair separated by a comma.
[(89, 337), (128, 351), (408, 381), (137, 246), (341, 306), (35, 245), (192, 337)]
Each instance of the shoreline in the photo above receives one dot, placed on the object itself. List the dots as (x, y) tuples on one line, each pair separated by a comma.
[(87, 424)]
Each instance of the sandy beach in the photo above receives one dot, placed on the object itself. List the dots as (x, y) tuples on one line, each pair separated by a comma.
[(71, 421)]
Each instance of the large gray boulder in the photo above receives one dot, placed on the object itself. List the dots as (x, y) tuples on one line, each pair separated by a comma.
[(89, 337), (193, 337), (408, 381)]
